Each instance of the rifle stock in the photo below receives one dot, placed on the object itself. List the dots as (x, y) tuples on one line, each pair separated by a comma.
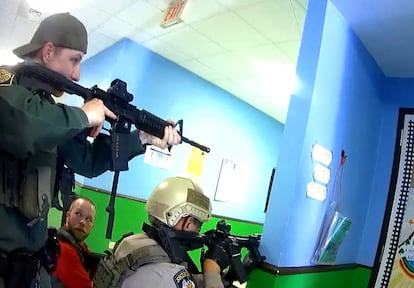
[(116, 99)]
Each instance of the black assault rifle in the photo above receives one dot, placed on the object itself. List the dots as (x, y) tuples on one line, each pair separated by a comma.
[(177, 243), (232, 244), (116, 99)]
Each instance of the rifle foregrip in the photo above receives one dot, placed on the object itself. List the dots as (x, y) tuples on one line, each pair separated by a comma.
[(238, 268), (111, 217), (109, 226), (151, 123)]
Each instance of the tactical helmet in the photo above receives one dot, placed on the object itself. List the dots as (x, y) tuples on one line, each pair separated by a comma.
[(178, 197)]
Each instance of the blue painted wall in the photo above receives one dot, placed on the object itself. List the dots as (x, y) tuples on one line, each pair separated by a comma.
[(343, 102), (213, 117), (342, 91), (282, 194)]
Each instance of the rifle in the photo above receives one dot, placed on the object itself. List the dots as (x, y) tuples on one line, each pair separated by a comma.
[(233, 244), (177, 243), (116, 99), (65, 184)]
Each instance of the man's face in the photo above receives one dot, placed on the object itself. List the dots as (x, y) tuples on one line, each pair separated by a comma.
[(65, 61), (189, 224), (80, 219)]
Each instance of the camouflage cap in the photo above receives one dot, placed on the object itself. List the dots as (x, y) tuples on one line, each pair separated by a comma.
[(63, 30)]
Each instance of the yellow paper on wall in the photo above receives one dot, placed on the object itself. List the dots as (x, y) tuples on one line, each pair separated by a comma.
[(195, 164)]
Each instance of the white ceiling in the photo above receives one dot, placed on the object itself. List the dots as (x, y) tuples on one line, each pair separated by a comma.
[(247, 47)]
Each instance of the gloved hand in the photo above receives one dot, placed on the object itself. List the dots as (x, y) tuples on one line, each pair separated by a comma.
[(218, 254)]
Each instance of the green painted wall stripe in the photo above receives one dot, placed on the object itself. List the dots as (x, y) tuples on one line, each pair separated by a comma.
[(130, 215), (357, 277)]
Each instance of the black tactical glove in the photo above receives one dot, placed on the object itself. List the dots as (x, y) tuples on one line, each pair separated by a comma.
[(218, 254)]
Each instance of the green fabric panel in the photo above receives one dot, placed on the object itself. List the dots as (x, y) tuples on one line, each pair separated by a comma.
[(345, 278)]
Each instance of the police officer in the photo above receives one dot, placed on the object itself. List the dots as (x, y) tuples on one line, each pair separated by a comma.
[(156, 258), (34, 132)]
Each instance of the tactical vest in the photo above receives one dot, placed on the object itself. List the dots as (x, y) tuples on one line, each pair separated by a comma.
[(66, 236), (26, 184), (129, 253)]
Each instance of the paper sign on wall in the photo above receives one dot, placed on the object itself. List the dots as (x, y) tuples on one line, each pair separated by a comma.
[(158, 157), (195, 165), (231, 184)]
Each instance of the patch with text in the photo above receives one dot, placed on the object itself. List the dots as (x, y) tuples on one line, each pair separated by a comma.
[(183, 279)]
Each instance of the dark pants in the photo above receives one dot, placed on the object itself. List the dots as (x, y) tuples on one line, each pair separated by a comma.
[(44, 280), (22, 270)]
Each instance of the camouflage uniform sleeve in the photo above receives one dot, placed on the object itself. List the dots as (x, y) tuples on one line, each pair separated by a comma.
[(30, 124)]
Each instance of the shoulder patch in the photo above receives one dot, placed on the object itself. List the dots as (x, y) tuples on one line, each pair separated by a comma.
[(183, 279), (6, 78)]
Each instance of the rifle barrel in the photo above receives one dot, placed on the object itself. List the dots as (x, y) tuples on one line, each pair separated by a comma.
[(195, 144)]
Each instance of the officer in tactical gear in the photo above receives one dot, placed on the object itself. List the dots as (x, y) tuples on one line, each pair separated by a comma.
[(35, 132), (176, 208)]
